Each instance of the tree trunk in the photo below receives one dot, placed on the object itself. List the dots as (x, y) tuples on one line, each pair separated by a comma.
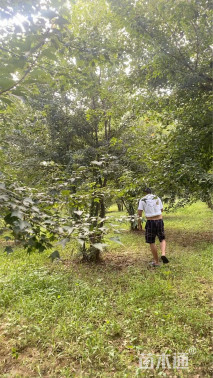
[(209, 202), (97, 210), (120, 205), (131, 211)]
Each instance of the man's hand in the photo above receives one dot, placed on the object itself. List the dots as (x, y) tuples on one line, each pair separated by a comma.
[(139, 225), (141, 230)]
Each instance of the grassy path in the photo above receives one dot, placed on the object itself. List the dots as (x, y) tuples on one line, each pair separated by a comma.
[(75, 320)]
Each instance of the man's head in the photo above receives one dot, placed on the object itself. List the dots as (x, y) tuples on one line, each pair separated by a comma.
[(147, 190)]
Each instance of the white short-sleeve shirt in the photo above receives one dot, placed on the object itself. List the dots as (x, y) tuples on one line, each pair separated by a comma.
[(151, 205)]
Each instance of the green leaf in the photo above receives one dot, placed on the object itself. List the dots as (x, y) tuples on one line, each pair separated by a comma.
[(95, 162), (23, 224), (8, 249), (63, 242), (4, 197), (54, 255), (99, 246), (49, 54), (81, 242), (6, 83), (78, 212), (6, 100), (68, 229), (28, 201), (17, 214), (116, 239), (65, 192)]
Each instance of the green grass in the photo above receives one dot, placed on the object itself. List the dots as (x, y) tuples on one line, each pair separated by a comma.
[(78, 320), (196, 217)]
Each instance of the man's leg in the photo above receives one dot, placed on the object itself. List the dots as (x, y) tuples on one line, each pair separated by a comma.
[(150, 238), (163, 247), (163, 251), (154, 252), (161, 236)]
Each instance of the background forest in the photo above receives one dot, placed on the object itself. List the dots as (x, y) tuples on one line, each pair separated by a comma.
[(99, 98)]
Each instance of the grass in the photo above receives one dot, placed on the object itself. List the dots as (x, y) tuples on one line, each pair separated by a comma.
[(78, 320)]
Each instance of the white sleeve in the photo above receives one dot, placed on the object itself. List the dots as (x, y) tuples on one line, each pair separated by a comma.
[(161, 205), (140, 205)]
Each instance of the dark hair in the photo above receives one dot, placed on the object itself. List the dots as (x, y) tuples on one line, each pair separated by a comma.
[(147, 190)]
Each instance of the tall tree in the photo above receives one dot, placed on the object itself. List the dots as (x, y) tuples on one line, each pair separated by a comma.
[(171, 61)]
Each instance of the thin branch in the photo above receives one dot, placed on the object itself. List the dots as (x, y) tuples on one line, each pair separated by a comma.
[(181, 59), (39, 45), (19, 81), (197, 44), (10, 52)]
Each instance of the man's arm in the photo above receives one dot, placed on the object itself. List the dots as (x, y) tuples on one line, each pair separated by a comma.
[(139, 219)]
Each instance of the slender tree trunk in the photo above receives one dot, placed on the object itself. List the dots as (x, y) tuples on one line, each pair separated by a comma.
[(120, 205), (209, 201), (131, 211)]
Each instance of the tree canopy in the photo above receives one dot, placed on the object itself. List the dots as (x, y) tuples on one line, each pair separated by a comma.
[(101, 97)]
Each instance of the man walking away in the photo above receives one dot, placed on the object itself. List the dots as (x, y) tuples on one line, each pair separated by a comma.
[(152, 206)]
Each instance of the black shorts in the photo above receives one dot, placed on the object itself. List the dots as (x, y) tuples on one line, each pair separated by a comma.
[(154, 228)]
